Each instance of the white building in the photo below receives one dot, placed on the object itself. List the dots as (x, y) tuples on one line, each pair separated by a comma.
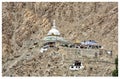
[(54, 35), (53, 31)]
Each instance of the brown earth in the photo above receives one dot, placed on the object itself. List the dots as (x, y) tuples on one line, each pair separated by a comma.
[(82, 21)]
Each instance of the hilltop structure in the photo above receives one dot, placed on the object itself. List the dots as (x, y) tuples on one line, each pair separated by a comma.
[(53, 31), (53, 36), (25, 25), (57, 53)]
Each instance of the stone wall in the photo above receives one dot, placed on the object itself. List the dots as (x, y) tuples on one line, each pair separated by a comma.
[(82, 52), (30, 62)]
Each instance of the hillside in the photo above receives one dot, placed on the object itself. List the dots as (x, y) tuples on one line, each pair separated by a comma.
[(82, 21)]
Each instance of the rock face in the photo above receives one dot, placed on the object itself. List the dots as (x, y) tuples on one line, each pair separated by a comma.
[(83, 21)]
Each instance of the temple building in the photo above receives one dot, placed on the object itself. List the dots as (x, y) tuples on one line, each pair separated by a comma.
[(54, 36), (53, 31)]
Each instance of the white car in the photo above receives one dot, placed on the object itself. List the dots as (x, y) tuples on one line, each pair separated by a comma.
[(109, 52), (43, 50)]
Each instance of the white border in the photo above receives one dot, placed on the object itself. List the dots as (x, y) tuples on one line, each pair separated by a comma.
[(53, 1), (118, 38), (60, 0), (1, 39)]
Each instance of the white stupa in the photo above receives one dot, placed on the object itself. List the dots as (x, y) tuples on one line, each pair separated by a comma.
[(53, 31), (54, 35)]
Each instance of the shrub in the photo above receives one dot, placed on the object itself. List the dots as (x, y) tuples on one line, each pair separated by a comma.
[(115, 72)]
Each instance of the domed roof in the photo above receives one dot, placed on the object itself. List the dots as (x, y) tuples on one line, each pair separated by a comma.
[(53, 31)]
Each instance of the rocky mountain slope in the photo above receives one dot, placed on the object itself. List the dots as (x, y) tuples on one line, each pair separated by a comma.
[(82, 21)]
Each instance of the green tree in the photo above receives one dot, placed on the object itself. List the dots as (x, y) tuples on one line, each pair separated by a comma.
[(115, 72)]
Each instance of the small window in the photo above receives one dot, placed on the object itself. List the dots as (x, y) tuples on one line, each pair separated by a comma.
[(33, 32), (30, 48), (91, 68), (72, 66), (35, 43), (99, 46), (48, 65)]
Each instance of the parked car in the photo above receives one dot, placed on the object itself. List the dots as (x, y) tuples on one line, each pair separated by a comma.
[(43, 49)]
